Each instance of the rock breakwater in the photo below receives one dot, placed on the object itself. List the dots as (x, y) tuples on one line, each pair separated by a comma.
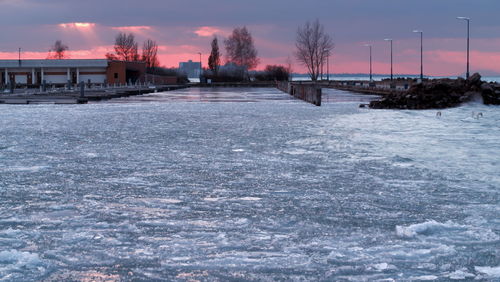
[(441, 93)]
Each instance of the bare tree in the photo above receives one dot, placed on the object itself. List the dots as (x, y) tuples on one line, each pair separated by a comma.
[(150, 53), (111, 56), (313, 47), (58, 51), (240, 49), (126, 48), (214, 58)]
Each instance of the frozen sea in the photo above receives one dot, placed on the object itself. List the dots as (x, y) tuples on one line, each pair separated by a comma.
[(247, 185)]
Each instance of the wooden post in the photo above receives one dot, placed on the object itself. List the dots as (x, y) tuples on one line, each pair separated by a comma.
[(82, 89)]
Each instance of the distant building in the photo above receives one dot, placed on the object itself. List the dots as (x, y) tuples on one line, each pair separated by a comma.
[(190, 68), (59, 72)]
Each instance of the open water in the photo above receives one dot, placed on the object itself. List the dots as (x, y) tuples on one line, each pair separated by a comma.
[(248, 184)]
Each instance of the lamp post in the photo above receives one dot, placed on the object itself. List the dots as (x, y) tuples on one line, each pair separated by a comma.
[(328, 66), (371, 74), (321, 72), (468, 40), (421, 53), (327, 52), (200, 66), (390, 40)]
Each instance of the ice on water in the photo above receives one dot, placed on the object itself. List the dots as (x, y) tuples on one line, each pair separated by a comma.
[(174, 186)]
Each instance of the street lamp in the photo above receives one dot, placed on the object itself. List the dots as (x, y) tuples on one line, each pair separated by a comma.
[(321, 71), (388, 39), (421, 53), (468, 39), (371, 75), (327, 52)]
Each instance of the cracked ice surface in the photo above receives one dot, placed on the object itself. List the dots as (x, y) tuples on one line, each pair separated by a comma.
[(172, 186)]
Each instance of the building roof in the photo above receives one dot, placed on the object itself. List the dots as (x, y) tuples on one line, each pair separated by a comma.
[(92, 63)]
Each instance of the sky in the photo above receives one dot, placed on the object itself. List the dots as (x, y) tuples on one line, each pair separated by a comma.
[(184, 28)]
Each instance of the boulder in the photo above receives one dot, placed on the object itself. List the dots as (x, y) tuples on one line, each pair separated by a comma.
[(440, 93), (474, 80), (490, 93)]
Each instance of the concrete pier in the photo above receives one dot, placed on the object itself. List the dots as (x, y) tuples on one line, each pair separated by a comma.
[(384, 87), (76, 97), (309, 92)]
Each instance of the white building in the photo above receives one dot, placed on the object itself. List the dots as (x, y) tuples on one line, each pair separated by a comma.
[(190, 68), (98, 71)]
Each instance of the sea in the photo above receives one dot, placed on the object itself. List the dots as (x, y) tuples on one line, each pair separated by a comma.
[(366, 77), (248, 184), (380, 77)]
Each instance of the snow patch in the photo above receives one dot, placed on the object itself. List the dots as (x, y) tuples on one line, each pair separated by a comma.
[(424, 278), (170, 201), (10, 233), (384, 266), (27, 168), (491, 272), (208, 199), (424, 228), (90, 155), (250, 199), (461, 274), (14, 260)]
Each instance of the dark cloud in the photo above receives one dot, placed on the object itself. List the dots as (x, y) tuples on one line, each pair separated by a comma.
[(364, 16), (33, 23)]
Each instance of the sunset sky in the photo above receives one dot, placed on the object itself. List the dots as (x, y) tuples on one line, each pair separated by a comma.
[(184, 28)]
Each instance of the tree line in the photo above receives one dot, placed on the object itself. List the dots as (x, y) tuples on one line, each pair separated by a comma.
[(313, 46), (126, 49), (241, 57)]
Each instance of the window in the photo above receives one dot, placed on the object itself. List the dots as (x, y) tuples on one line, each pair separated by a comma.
[(116, 75)]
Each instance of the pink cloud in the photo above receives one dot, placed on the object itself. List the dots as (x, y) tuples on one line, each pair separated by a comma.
[(94, 53), (485, 61), (77, 25), (86, 30), (207, 31), (179, 49), (139, 28), (441, 57)]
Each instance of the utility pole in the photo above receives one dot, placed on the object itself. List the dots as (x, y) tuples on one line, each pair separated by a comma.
[(421, 53), (371, 74), (392, 75), (468, 41), (328, 67)]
